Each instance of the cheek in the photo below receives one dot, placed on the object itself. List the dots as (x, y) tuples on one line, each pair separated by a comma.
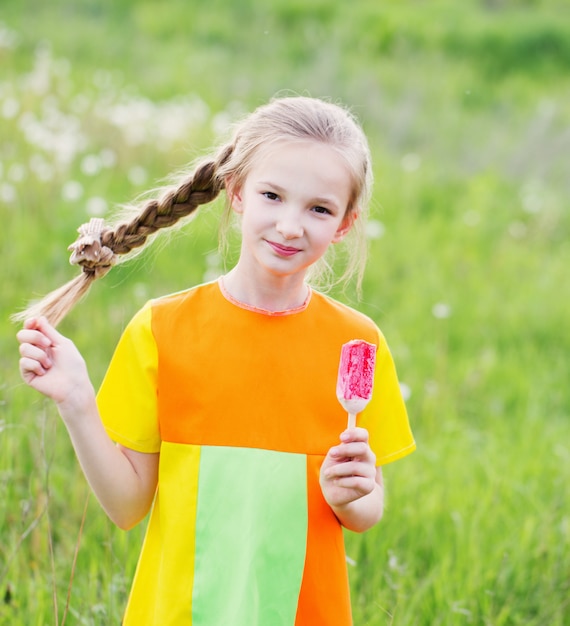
[(251, 222), (324, 239)]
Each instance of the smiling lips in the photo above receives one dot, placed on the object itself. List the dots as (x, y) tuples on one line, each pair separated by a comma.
[(283, 250)]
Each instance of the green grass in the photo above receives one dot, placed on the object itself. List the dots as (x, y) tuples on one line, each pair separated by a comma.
[(466, 108)]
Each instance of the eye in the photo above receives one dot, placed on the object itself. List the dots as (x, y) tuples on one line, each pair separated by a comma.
[(322, 210), (270, 195)]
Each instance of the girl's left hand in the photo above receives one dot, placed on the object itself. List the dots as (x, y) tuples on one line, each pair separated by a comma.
[(348, 472)]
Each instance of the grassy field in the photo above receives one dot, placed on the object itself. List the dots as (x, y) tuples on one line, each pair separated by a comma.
[(466, 107)]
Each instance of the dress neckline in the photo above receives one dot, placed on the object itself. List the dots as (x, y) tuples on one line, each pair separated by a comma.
[(254, 309)]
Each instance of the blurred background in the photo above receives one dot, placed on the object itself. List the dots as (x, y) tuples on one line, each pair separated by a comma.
[(467, 109)]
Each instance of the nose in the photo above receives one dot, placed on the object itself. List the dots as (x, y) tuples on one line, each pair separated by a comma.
[(289, 225)]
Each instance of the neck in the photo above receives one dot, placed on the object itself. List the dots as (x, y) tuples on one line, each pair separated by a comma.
[(279, 294)]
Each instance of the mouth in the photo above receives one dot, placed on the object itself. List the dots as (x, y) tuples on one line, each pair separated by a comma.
[(282, 250)]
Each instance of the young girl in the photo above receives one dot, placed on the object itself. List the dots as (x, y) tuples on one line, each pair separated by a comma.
[(218, 412)]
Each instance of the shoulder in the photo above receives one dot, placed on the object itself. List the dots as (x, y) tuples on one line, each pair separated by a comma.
[(345, 319), (179, 306), (342, 312), (203, 293)]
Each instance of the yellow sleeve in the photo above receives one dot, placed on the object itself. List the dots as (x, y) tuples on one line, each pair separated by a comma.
[(127, 399), (385, 417)]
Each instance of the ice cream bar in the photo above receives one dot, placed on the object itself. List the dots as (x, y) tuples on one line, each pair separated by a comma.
[(355, 377)]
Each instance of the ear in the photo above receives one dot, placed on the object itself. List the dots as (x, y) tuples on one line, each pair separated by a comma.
[(234, 195), (345, 226)]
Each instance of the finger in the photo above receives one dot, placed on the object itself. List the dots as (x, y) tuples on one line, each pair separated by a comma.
[(31, 367), (32, 352), (31, 323), (359, 484), (49, 331), (351, 468), (357, 450), (354, 434), (353, 448), (42, 326), (33, 337)]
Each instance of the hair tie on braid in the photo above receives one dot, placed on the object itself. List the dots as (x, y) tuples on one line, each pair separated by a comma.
[(94, 258)]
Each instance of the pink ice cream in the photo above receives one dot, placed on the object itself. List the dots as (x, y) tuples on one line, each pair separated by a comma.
[(355, 377)]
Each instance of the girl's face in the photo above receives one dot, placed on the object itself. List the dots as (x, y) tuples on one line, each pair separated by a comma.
[(293, 205)]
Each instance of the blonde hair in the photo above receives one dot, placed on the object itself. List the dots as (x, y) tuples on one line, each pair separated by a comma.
[(297, 117)]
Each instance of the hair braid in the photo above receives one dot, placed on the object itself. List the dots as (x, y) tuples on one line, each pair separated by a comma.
[(97, 250), (201, 188)]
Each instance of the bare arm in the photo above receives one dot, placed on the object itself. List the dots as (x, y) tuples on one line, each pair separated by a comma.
[(350, 482), (123, 480)]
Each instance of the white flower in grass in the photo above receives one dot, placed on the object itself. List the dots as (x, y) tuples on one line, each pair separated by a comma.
[(221, 123), (140, 291), (66, 147), (10, 108), (213, 267), (457, 608), (80, 103), (133, 118), (41, 168), (174, 119), (39, 79), (8, 37), (211, 274), (395, 564), (441, 310), (406, 391), (72, 190), (16, 172), (517, 230), (96, 206), (471, 218), (62, 67), (532, 197), (137, 175), (456, 517), (108, 157), (91, 164), (7, 193), (103, 79), (375, 229), (56, 133), (163, 124), (99, 609), (411, 162), (431, 387)]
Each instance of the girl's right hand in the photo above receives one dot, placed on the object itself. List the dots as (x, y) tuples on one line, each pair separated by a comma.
[(51, 364)]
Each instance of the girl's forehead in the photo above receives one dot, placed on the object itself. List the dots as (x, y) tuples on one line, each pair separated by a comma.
[(299, 154), (287, 144)]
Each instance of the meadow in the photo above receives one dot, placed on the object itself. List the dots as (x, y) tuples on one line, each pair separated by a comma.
[(466, 105)]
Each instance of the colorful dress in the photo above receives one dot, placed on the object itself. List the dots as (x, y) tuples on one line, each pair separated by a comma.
[(241, 405)]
